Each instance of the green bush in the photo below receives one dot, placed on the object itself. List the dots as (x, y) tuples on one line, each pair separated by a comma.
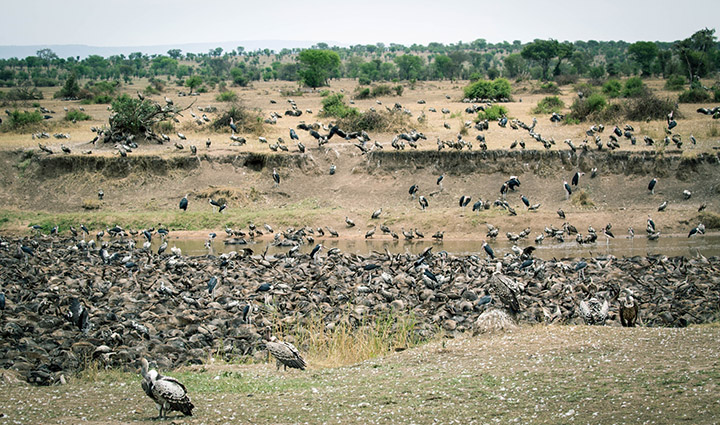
[(548, 88), (485, 89), (716, 93), (362, 93), (75, 115), (612, 88), (581, 109), (227, 96), (325, 93), (334, 106), (492, 113), (381, 90), (21, 119), (247, 121), (634, 87), (399, 90), (151, 90), (694, 95), (548, 105), (364, 81), (674, 83), (585, 88), (102, 99)]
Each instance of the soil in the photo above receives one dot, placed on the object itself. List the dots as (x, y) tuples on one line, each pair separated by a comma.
[(156, 177)]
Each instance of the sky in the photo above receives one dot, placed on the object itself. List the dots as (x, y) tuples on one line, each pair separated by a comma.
[(154, 22)]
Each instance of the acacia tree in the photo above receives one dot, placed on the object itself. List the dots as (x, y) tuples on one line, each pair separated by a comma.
[(409, 66), (317, 65), (542, 51), (193, 82), (644, 53), (697, 52)]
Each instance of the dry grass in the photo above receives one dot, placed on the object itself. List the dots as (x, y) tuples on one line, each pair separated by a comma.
[(555, 374)]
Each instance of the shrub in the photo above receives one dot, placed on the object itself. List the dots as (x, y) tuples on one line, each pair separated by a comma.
[(634, 87), (334, 106), (674, 83), (492, 113), (649, 107), (585, 88), (102, 99), (364, 81), (151, 90), (325, 93), (566, 79), (75, 115), (24, 93), (381, 90), (581, 109), (485, 89), (227, 96), (21, 119), (612, 88), (716, 94), (399, 90), (694, 95), (548, 88), (362, 93), (549, 105), (165, 126), (383, 121), (247, 121)]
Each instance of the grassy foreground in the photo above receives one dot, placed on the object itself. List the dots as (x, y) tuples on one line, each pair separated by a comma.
[(557, 374)]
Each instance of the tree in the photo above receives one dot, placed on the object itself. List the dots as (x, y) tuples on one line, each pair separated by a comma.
[(514, 65), (697, 52), (71, 88), (317, 65), (174, 53), (564, 51), (193, 82), (644, 53), (137, 117), (409, 66), (542, 51)]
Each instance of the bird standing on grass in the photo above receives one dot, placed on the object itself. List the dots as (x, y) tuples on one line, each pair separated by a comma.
[(184, 203), (276, 177), (167, 393), (285, 354)]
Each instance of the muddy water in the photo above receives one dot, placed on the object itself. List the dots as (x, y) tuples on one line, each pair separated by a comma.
[(677, 245)]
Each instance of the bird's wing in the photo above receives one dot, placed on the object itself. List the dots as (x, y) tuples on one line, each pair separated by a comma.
[(287, 354), (584, 309), (169, 390)]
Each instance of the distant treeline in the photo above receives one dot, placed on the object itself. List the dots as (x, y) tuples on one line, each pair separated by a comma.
[(563, 62)]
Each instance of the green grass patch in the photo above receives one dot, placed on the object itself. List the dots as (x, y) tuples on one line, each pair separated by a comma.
[(77, 115), (548, 105), (492, 113)]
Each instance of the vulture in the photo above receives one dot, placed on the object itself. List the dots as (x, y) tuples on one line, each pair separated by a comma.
[(628, 310), (506, 289), (184, 203), (167, 393), (593, 311), (285, 354)]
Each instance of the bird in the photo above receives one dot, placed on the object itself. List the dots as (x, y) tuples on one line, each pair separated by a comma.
[(184, 203), (349, 222), (568, 190), (232, 125), (181, 136), (464, 201), (293, 135), (65, 149), (2, 301), (505, 289), (525, 200), (561, 213), (285, 354), (651, 185), (101, 194), (423, 202), (208, 143), (413, 190), (212, 283), (663, 206), (576, 178), (168, 393), (628, 309), (315, 250), (593, 311), (650, 225), (370, 233), (333, 168), (168, 100), (488, 249), (376, 213), (276, 177), (440, 180)]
